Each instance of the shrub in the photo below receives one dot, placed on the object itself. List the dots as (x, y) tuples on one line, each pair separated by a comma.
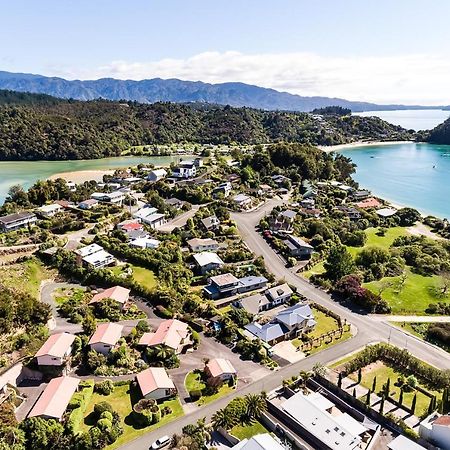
[(104, 387), (101, 407), (163, 312), (144, 404), (156, 415), (195, 395), (104, 424), (106, 415)]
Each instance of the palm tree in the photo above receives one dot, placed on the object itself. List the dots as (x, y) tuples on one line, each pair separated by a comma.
[(223, 419), (304, 377), (256, 405), (161, 352), (203, 429)]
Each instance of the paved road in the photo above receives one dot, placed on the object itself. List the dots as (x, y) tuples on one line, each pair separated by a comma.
[(369, 331), (434, 319)]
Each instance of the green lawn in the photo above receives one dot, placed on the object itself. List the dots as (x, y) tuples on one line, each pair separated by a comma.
[(194, 382), (122, 400), (317, 269), (413, 296), (141, 275), (325, 324), (383, 372), (373, 240), (248, 430)]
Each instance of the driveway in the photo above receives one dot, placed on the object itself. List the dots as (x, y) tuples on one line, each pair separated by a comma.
[(209, 348), (285, 350), (179, 221)]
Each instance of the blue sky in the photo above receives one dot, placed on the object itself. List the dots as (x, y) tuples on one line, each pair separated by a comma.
[(379, 50)]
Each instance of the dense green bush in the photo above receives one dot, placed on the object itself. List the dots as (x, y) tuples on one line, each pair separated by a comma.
[(105, 387)]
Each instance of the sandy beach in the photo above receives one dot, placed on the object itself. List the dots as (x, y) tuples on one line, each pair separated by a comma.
[(80, 176), (335, 148)]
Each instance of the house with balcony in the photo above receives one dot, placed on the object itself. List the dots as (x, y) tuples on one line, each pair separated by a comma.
[(242, 201), (94, 256), (16, 221), (47, 211), (113, 198), (223, 189), (186, 169)]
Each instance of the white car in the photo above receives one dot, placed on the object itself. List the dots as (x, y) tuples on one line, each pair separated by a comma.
[(160, 443)]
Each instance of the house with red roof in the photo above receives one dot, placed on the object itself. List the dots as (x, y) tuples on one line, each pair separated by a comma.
[(155, 383), (171, 333), (106, 337), (119, 294), (219, 370), (55, 398), (370, 202), (56, 350)]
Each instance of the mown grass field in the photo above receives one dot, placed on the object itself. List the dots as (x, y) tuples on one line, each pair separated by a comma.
[(141, 275), (248, 430)]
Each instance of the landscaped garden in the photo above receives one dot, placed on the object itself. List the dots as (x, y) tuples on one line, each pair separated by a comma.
[(199, 390), (122, 399), (248, 430)]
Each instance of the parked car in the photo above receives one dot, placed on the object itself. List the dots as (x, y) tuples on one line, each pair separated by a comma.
[(160, 443)]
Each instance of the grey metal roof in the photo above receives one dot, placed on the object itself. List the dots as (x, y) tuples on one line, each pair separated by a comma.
[(268, 331), (295, 314)]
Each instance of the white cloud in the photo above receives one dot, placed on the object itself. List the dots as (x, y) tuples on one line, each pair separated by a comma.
[(409, 79)]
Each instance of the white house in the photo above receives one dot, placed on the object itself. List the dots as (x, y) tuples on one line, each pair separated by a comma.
[(155, 383), (144, 212), (55, 398), (279, 294), (202, 245), (119, 294), (56, 350), (116, 197), (259, 442), (15, 221), (49, 210), (436, 430), (186, 169), (219, 370), (105, 337), (145, 242), (207, 261), (403, 443), (154, 220), (242, 201), (156, 175), (94, 256)]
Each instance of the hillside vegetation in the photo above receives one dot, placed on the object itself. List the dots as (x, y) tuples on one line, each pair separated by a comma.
[(440, 134), (35, 128)]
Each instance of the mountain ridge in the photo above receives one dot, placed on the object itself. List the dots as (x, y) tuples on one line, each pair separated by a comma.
[(236, 94)]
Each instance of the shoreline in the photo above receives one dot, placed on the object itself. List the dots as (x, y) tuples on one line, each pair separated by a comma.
[(81, 176), (337, 147)]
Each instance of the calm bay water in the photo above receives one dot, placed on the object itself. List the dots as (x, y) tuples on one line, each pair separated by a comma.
[(416, 175), (411, 119), (26, 173)]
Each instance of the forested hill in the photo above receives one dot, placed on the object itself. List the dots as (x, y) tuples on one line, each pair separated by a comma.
[(179, 91), (60, 129), (440, 134)]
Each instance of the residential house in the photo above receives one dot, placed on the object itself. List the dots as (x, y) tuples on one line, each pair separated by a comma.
[(370, 202), (144, 212), (253, 304), (156, 175), (71, 185), (154, 220), (308, 203), (259, 442), (351, 213), (171, 333), (287, 324), (223, 188), (326, 426), (186, 169), (227, 284), (94, 256), (211, 223), (309, 191), (436, 430), (49, 210), (56, 350), (119, 294), (201, 245), (114, 198), (360, 195), (198, 162), (16, 221), (130, 225), (106, 337), (242, 201), (88, 204), (403, 443), (55, 398), (208, 261), (298, 247), (145, 243), (266, 189), (386, 212), (279, 295), (175, 203), (223, 285), (311, 212), (219, 370), (279, 179), (155, 383)]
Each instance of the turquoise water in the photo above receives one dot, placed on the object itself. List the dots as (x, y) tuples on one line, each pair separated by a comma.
[(26, 173), (411, 119), (416, 175)]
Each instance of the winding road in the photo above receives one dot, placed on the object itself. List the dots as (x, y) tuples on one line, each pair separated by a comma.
[(370, 330)]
